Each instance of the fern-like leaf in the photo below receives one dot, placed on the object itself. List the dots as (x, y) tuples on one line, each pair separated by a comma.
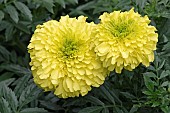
[(4, 106)]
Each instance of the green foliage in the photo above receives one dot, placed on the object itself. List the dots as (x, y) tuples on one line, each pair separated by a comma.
[(146, 89), (17, 100), (158, 86)]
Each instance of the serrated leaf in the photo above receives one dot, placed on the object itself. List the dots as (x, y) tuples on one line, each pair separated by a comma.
[(61, 2), (4, 106), (24, 9), (13, 57), (95, 109), (34, 110), (100, 9), (166, 83), (165, 109), (12, 12), (128, 95), (165, 14), (124, 109), (4, 24), (86, 6), (105, 110), (113, 93), (22, 27), (78, 12), (6, 82), (9, 32), (94, 100), (77, 102), (48, 4), (10, 96), (118, 110), (1, 15), (161, 65), (72, 1), (163, 2), (164, 74), (141, 3), (6, 75), (53, 97), (151, 68), (107, 94), (155, 104), (30, 93), (123, 3), (21, 84), (16, 68), (150, 74), (134, 109), (148, 92), (149, 83), (4, 53), (51, 105)]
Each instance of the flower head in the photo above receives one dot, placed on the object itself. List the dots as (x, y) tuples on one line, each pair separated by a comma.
[(124, 40), (63, 59)]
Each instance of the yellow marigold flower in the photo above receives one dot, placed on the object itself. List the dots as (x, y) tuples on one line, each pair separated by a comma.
[(62, 57), (124, 40)]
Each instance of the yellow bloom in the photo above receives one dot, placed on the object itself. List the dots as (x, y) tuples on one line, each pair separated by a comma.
[(62, 58), (124, 40)]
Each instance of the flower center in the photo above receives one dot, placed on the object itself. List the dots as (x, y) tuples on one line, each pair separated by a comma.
[(69, 48), (120, 28)]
